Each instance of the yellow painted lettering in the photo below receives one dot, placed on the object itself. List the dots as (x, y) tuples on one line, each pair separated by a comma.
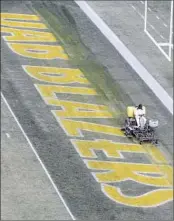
[(27, 35), (74, 128), (168, 170), (7, 19), (156, 155), (141, 173), (38, 51), (150, 199), (111, 149), (79, 110), (49, 91), (63, 75), (158, 158)]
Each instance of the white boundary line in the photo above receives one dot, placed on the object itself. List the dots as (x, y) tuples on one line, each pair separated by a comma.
[(158, 45), (166, 44), (37, 156), (142, 16), (169, 55), (163, 44), (128, 56)]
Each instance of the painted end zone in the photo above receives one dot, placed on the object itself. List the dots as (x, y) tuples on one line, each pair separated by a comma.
[(104, 171)]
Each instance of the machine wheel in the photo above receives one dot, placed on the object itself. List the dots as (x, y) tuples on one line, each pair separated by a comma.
[(155, 142), (128, 134), (140, 141)]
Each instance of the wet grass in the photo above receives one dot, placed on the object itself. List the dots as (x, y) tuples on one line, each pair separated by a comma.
[(63, 26)]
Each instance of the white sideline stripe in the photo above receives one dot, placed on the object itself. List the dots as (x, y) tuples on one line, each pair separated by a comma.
[(128, 56), (156, 43), (37, 156)]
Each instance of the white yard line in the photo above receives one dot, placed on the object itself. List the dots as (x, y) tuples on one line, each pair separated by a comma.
[(148, 22), (8, 135), (133, 7), (163, 44), (168, 56), (154, 15), (156, 43), (152, 26), (142, 16), (128, 56), (37, 156), (149, 9)]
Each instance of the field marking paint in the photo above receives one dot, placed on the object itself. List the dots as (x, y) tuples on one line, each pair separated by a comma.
[(24, 35), (149, 9), (134, 148), (16, 16), (169, 54), (79, 126), (38, 51), (156, 154), (8, 135), (26, 25), (153, 153), (128, 56), (97, 128), (14, 20), (163, 52), (170, 198), (142, 16), (163, 44), (45, 100), (152, 26), (157, 181), (73, 109), (50, 90), (37, 156), (133, 7), (56, 75)]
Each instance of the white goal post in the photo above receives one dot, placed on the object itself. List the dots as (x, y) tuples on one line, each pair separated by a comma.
[(168, 44)]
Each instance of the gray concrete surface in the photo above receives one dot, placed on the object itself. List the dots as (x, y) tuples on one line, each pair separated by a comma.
[(126, 22), (75, 182), (26, 191)]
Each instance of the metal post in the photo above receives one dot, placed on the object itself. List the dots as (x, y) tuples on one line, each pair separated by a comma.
[(145, 16), (171, 29)]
